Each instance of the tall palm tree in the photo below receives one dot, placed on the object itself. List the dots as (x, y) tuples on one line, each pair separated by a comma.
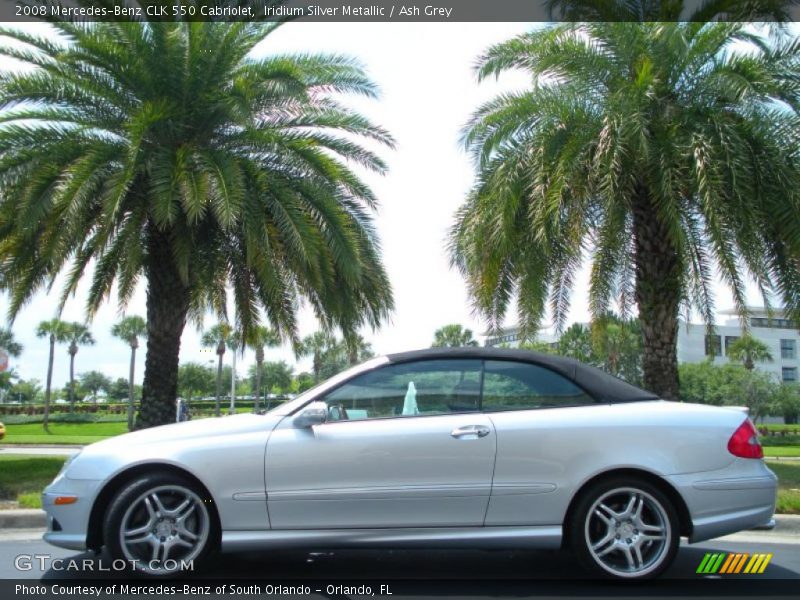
[(357, 348), (9, 343), (56, 331), (617, 346), (218, 337), (453, 336), (77, 334), (660, 152), (748, 350), (259, 337), (316, 345), (129, 330), (169, 153)]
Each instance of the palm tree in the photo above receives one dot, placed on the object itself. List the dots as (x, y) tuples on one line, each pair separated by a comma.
[(129, 330), (77, 334), (9, 343), (56, 331), (218, 337), (275, 376), (259, 337), (660, 152), (610, 340), (316, 345), (169, 153), (357, 348), (453, 336), (576, 342), (617, 346), (749, 351)]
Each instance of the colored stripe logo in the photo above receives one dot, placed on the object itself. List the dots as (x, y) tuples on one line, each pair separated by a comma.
[(731, 564)]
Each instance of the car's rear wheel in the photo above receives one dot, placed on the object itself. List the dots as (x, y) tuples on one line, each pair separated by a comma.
[(158, 524), (624, 528)]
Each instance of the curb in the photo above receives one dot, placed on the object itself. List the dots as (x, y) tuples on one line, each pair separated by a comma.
[(23, 518), (787, 524), (33, 518)]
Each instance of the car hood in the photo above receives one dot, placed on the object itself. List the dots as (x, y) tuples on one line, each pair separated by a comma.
[(201, 428), (174, 444)]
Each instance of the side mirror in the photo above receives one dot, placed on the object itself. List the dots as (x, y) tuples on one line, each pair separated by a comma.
[(315, 413)]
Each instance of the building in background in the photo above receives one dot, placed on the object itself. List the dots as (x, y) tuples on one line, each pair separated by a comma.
[(778, 332), (508, 337), (511, 337)]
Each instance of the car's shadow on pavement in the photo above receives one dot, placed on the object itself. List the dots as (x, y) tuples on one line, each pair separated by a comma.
[(466, 573)]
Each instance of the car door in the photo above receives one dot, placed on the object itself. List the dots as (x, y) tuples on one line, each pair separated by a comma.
[(543, 423), (404, 446)]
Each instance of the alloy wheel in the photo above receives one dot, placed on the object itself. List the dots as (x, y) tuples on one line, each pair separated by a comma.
[(627, 532), (163, 527)]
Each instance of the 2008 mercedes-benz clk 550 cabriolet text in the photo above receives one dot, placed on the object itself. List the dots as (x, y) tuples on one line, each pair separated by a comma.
[(465, 448)]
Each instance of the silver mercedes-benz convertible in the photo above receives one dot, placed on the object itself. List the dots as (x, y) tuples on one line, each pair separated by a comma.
[(466, 448)]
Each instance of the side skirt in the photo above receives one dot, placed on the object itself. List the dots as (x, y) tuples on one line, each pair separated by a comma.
[(545, 537)]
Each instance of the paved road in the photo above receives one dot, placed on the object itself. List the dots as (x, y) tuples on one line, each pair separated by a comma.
[(516, 574)]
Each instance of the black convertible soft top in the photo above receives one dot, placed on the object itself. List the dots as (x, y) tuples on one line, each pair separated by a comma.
[(599, 384)]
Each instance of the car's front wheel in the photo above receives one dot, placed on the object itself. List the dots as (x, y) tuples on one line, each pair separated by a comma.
[(624, 528), (159, 525)]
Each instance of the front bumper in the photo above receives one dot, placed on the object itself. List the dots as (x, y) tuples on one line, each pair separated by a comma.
[(68, 524)]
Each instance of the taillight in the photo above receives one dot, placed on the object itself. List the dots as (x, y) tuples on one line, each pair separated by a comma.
[(744, 442)]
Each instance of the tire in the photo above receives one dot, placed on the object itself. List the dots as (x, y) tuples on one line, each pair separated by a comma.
[(624, 528), (159, 522)]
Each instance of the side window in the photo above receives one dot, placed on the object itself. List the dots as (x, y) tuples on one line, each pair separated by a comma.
[(431, 387), (511, 385)]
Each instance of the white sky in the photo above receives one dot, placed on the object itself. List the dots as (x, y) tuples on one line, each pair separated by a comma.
[(428, 90)]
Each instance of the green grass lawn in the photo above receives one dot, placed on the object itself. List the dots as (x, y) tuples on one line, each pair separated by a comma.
[(788, 486), (781, 451), (23, 478), (62, 433), (75, 433)]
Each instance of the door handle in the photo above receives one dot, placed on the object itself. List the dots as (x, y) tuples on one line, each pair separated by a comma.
[(470, 432)]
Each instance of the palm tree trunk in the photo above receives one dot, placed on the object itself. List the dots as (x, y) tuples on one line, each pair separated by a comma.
[(258, 384), (71, 380), (46, 421), (130, 387), (658, 294), (613, 362), (317, 366), (167, 306), (219, 385)]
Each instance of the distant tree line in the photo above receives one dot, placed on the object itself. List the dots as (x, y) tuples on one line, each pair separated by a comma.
[(264, 379)]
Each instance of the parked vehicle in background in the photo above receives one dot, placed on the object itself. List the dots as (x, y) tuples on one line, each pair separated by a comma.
[(462, 447)]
